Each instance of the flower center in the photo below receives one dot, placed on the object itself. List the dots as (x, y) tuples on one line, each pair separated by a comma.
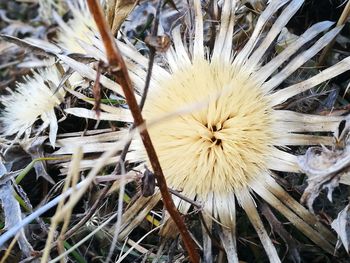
[(221, 143)]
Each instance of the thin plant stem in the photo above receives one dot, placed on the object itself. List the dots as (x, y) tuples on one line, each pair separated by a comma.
[(118, 68), (125, 150), (343, 18), (152, 54)]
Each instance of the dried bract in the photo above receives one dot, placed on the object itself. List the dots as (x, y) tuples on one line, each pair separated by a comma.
[(342, 227)]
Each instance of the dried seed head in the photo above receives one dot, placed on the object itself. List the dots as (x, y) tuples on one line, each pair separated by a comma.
[(217, 148), (33, 99)]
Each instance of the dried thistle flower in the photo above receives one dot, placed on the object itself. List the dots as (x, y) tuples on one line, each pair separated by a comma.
[(37, 97), (34, 99), (78, 32), (229, 150)]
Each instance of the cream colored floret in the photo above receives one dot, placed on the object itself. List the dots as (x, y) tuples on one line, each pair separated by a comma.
[(220, 147)]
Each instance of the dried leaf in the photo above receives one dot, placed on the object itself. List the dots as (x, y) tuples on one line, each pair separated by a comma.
[(93, 141), (97, 90), (148, 185), (277, 227), (284, 40), (342, 227), (117, 11), (46, 50), (171, 4), (12, 212), (89, 73), (324, 167), (124, 115), (89, 143), (258, 5), (35, 149), (319, 164)]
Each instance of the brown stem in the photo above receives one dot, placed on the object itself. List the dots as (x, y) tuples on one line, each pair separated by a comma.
[(120, 71), (145, 90), (343, 18)]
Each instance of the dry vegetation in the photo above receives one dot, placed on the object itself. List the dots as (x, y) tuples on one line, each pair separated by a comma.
[(76, 182)]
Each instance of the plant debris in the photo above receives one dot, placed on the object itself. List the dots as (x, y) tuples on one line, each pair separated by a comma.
[(342, 226), (325, 167)]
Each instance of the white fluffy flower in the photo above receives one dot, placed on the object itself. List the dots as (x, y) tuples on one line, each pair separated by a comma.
[(33, 99)]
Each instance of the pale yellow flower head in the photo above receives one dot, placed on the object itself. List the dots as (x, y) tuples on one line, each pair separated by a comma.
[(220, 148)]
